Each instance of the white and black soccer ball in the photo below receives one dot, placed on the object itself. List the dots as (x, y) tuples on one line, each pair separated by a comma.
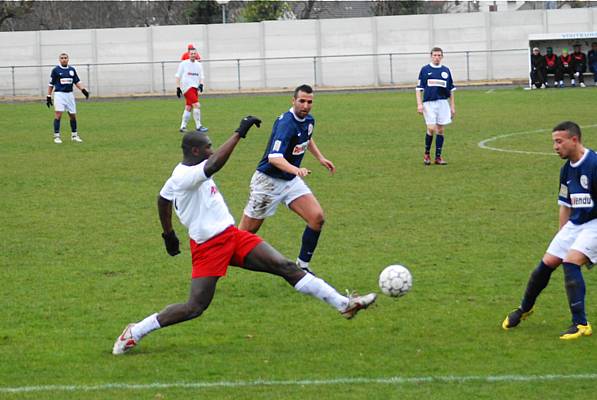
[(395, 280)]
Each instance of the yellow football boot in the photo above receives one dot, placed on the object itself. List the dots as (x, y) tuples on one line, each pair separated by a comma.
[(576, 331), (513, 319)]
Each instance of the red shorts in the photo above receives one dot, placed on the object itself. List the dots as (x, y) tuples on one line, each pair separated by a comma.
[(230, 247), (191, 96)]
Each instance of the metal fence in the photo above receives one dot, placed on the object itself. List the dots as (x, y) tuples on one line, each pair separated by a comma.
[(239, 74)]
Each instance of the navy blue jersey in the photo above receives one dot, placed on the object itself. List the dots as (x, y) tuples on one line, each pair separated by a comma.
[(63, 78), (435, 82), (290, 139), (578, 188)]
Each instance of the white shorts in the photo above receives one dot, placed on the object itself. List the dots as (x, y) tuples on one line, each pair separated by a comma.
[(65, 101), (437, 112), (581, 238), (267, 192)]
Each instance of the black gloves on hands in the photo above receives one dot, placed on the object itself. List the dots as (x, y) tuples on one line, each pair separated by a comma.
[(85, 93), (178, 92), (49, 101), (172, 243), (246, 123), (201, 87)]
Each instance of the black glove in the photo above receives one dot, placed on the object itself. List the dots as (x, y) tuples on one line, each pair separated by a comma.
[(178, 92), (246, 123), (172, 243), (201, 87), (49, 101), (85, 93)]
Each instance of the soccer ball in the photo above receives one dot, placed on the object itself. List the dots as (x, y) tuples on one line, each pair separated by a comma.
[(395, 280)]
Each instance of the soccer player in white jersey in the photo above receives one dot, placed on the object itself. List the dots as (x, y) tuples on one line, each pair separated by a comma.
[(216, 243), (189, 82), (437, 103), (575, 244), (62, 79)]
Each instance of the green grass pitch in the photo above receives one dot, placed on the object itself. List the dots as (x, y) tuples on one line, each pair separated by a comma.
[(82, 255)]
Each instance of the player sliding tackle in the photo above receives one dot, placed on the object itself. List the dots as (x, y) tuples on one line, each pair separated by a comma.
[(215, 241)]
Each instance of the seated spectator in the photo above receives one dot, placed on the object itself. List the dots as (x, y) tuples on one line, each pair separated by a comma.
[(566, 67), (537, 68), (580, 65), (592, 56), (185, 55), (552, 66)]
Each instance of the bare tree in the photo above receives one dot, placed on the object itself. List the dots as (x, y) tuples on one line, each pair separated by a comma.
[(14, 9)]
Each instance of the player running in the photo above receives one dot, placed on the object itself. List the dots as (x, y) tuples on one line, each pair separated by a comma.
[(575, 244), (279, 175), (437, 105), (189, 82), (216, 242), (62, 79)]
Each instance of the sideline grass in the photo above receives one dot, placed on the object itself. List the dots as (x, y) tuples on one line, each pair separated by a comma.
[(82, 255)]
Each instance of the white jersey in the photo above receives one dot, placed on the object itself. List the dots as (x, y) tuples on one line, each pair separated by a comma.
[(190, 74), (197, 202)]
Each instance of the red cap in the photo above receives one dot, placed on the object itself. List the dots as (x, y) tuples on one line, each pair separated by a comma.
[(190, 46)]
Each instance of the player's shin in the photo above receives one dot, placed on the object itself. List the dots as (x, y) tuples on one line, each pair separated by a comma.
[(142, 328), (428, 142), (439, 144), (537, 282), (309, 243), (575, 289), (73, 126), (186, 115), (320, 289), (56, 126), (197, 117)]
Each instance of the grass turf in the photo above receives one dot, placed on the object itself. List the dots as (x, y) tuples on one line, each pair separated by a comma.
[(82, 253)]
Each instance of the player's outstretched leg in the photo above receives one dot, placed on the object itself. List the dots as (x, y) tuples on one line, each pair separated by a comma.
[(537, 282), (202, 292), (264, 258)]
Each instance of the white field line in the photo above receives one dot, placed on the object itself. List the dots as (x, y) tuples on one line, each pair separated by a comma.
[(393, 380), (483, 144)]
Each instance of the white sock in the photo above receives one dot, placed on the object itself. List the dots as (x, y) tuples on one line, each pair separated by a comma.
[(185, 118), (317, 287), (302, 264), (146, 326), (572, 82), (197, 117)]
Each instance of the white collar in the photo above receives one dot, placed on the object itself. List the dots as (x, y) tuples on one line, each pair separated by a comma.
[(576, 164), (435, 66), (295, 117)]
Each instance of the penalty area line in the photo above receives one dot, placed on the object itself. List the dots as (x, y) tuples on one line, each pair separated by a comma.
[(483, 144), (393, 380)]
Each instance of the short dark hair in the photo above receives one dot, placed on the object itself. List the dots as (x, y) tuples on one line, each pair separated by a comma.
[(303, 88), (437, 49), (571, 127), (192, 139)]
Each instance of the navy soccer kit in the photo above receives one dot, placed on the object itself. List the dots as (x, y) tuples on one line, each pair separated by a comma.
[(63, 78), (578, 188), (435, 82), (289, 139)]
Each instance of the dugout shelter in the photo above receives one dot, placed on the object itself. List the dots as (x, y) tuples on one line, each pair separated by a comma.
[(559, 41)]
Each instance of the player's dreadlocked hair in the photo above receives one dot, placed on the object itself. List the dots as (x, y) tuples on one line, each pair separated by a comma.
[(571, 127)]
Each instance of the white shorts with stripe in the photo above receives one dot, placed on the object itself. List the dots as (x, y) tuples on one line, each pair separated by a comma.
[(65, 101), (581, 238), (267, 192), (437, 112)]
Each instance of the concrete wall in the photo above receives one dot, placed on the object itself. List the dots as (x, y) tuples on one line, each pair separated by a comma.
[(278, 54)]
